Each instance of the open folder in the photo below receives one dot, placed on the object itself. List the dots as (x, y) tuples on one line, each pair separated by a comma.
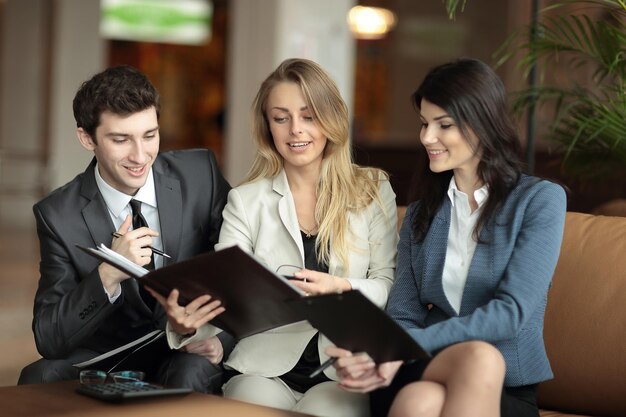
[(254, 297), (354, 323)]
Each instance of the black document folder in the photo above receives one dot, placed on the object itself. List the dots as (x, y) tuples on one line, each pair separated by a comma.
[(254, 297), (354, 323)]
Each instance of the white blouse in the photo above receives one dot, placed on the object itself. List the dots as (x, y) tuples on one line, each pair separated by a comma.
[(461, 243)]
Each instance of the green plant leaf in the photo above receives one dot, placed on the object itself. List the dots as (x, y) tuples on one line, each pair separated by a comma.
[(589, 124), (452, 6)]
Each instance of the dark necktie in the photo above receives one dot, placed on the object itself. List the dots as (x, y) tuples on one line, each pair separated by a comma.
[(140, 221)]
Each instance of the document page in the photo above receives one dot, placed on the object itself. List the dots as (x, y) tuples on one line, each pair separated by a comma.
[(138, 343)]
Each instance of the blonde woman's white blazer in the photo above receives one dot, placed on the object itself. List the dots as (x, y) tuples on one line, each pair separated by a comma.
[(260, 217)]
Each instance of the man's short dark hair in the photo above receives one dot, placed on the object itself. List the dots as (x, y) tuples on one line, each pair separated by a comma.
[(121, 90)]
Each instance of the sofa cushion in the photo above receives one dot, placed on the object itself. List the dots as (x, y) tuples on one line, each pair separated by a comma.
[(585, 324)]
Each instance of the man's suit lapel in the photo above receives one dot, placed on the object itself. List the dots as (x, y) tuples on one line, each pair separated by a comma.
[(100, 226), (170, 207), (95, 213)]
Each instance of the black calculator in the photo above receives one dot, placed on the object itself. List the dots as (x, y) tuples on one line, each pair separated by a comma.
[(123, 391)]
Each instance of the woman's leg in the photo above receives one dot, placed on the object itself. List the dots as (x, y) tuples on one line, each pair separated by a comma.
[(472, 374), (327, 399), (270, 392), (383, 398), (423, 398)]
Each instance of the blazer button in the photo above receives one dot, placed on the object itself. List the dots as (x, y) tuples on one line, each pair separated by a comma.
[(81, 315)]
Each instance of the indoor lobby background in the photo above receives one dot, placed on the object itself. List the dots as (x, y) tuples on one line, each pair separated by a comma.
[(48, 47)]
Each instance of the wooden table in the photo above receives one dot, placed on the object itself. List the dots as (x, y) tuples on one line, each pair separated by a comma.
[(59, 399)]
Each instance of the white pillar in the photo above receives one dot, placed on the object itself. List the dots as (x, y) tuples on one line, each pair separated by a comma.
[(261, 35), (41, 70), (79, 53)]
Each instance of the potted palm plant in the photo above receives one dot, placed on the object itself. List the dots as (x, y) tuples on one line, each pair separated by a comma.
[(584, 41)]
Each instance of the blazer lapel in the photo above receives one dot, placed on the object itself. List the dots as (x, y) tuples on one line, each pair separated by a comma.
[(95, 213), (287, 210), (100, 226), (434, 249), (481, 268), (170, 207)]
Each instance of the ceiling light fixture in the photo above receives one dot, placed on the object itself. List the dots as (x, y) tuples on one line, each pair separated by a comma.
[(370, 22)]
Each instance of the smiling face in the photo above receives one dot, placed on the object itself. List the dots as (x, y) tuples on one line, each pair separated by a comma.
[(125, 147), (294, 130), (445, 144)]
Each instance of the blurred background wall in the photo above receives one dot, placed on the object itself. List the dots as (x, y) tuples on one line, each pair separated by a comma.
[(49, 47)]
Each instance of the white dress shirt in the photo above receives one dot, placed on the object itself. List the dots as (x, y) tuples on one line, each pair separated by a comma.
[(118, 206), (461, 243)]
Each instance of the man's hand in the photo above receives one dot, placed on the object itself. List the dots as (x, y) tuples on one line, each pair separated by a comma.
[(133, 246), (210, 348)]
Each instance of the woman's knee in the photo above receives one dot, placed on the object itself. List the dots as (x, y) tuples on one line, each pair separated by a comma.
[(473, 361), (484, 358), (423, 398), (328, 399), (259, 390)]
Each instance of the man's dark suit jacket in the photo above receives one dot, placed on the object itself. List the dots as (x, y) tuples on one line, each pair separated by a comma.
[(71, 308)]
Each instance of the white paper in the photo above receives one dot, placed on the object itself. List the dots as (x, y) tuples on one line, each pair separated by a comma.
[(118, 259), (153, 334)]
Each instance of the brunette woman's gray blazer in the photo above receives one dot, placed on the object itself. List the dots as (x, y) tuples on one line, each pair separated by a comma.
[(506, 291)]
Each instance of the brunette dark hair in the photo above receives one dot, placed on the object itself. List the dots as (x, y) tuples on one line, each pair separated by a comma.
[(474, 96), (122, 90)]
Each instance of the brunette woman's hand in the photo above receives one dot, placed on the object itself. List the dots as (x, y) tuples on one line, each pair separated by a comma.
[(186, 320), (359, 373)]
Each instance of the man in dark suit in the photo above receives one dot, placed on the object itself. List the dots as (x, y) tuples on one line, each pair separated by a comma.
[(83, 307)]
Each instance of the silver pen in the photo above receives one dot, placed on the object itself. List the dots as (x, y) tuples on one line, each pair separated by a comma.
[(155, 250)]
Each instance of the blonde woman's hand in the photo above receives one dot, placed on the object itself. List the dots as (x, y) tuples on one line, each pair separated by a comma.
[(186, 320), (314, 282)]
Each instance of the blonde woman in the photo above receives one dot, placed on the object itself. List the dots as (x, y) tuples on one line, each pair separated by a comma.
[(304, 203)]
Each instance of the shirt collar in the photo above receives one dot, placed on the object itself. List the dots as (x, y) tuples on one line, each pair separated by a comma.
[(117, 201), (480, 195)]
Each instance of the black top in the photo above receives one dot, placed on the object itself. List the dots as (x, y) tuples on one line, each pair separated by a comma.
[(298, 378)]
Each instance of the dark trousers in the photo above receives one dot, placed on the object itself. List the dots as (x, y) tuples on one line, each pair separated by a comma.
[(515, 402), (161, 365)]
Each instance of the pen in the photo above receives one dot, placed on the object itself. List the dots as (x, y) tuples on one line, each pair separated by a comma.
[(323, 366), (158, 252)]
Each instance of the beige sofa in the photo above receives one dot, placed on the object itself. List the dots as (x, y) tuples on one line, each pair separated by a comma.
[(585, 324)]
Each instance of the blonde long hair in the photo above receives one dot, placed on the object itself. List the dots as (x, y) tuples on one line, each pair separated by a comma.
[(343, 186)]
